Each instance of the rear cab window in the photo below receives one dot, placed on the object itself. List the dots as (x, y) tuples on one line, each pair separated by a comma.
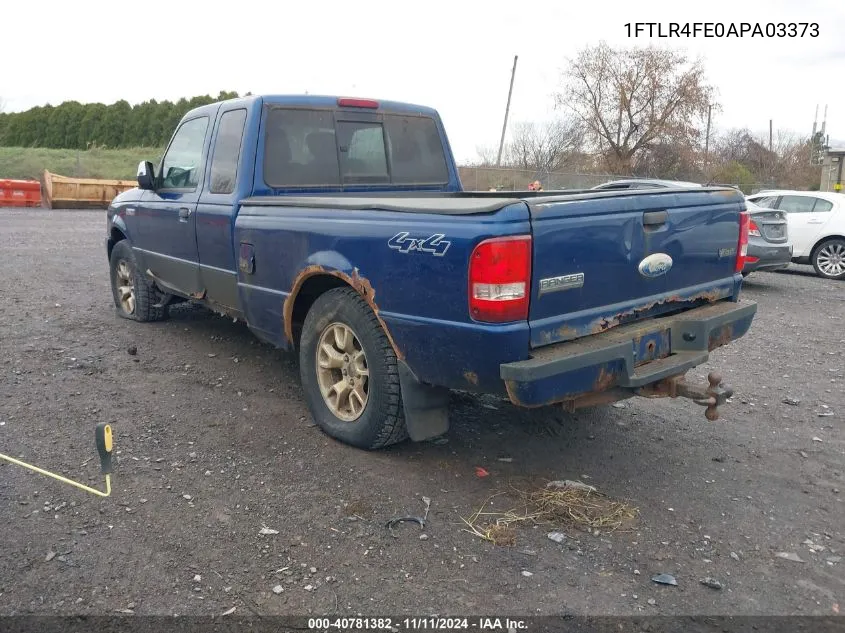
[(325, 148)]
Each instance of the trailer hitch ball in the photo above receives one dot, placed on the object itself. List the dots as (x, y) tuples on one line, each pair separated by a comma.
[(718, 395), (712, 397)]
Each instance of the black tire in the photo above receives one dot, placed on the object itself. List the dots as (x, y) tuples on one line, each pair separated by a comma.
[(146, 294), (382, 421), (838, 246)]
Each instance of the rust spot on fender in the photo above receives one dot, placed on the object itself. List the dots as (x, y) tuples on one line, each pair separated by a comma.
[(360, 284), (471, 377)]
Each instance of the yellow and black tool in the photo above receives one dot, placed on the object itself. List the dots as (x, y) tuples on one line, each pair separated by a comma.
[(104, 441)]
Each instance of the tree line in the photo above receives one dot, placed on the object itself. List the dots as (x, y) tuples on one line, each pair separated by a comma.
[(651, 112), (627, 112), (73, 125)]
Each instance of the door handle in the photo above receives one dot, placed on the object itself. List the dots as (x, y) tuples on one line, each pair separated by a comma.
[(184, 214), (815, 221), (655, 218)]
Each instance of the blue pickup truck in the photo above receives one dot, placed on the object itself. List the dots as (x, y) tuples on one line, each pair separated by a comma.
[(338, 228)]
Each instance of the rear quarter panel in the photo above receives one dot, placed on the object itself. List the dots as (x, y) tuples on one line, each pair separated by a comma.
[(421, 297)]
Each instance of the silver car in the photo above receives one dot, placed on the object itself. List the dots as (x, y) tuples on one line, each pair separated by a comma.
[(644, 183), (768, 240)]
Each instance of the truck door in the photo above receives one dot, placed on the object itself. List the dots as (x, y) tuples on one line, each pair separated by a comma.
[(215, 215), (167, 235)]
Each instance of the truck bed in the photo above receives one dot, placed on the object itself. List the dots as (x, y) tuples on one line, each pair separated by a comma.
[(589, 249), (448, 203)]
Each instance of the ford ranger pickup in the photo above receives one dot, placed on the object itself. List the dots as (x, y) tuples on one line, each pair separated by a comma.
[(338, 228)]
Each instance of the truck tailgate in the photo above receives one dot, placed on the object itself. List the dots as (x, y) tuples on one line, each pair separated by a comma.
[(600, 260)]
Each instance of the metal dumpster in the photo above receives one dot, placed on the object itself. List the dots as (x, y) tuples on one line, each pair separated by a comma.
[(64, 192)]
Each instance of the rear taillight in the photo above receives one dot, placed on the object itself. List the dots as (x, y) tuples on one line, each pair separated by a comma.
[(742, 245), (500, 279), (753, 229)]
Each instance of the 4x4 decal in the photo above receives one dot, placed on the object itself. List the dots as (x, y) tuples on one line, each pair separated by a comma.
[(434, 244)]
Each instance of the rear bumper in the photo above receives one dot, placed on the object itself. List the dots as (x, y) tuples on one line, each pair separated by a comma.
[(628, 357), (769, 256)]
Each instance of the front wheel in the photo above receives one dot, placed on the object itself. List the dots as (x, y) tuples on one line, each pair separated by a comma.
[(349, 372), (829, 259), (134, 297)]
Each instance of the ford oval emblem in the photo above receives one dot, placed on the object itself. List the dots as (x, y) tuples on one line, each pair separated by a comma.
[(655, 265)]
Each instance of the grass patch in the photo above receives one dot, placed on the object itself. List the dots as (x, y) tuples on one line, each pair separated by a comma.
[(582, 508), (30, 162)]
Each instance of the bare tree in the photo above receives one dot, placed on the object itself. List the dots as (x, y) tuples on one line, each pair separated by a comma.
[(669, 160), (545, 147), (631, 99), (786, 163), (486, 156)]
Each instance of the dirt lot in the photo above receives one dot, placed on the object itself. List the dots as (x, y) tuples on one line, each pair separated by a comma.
[(214, 443)]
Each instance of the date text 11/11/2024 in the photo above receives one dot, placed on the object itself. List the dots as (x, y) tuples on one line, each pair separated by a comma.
[(417, 624), (722, 29)]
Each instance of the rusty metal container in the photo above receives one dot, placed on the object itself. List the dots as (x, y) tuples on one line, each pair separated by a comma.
[(63, 192)]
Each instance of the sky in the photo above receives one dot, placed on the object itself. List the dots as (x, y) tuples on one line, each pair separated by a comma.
[(455, 56)]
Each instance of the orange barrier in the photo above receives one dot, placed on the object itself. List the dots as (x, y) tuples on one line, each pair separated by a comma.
[(20, 193)]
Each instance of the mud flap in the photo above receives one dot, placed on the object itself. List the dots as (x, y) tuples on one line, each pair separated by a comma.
[(426, 407)]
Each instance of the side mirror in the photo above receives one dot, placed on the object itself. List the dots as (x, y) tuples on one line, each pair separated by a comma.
[(146, 175)]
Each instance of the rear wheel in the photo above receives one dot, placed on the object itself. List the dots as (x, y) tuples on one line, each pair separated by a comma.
[(134, 297), (349, 372), (829, 259)]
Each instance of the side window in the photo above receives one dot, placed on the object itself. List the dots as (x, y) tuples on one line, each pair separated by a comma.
[(766, 201), (822, 206), (797, 204), (182, 164), (227, 151), (363, 158), (300, 149)]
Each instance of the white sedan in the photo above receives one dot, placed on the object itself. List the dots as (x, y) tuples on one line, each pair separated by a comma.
[(816, 225)]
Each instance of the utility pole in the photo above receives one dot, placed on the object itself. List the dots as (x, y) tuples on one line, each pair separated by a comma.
[(507, 110), (770, 135), (707, 141), (771, 158)]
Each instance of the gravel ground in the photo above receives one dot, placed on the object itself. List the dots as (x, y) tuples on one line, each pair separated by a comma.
[(214, 442)]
